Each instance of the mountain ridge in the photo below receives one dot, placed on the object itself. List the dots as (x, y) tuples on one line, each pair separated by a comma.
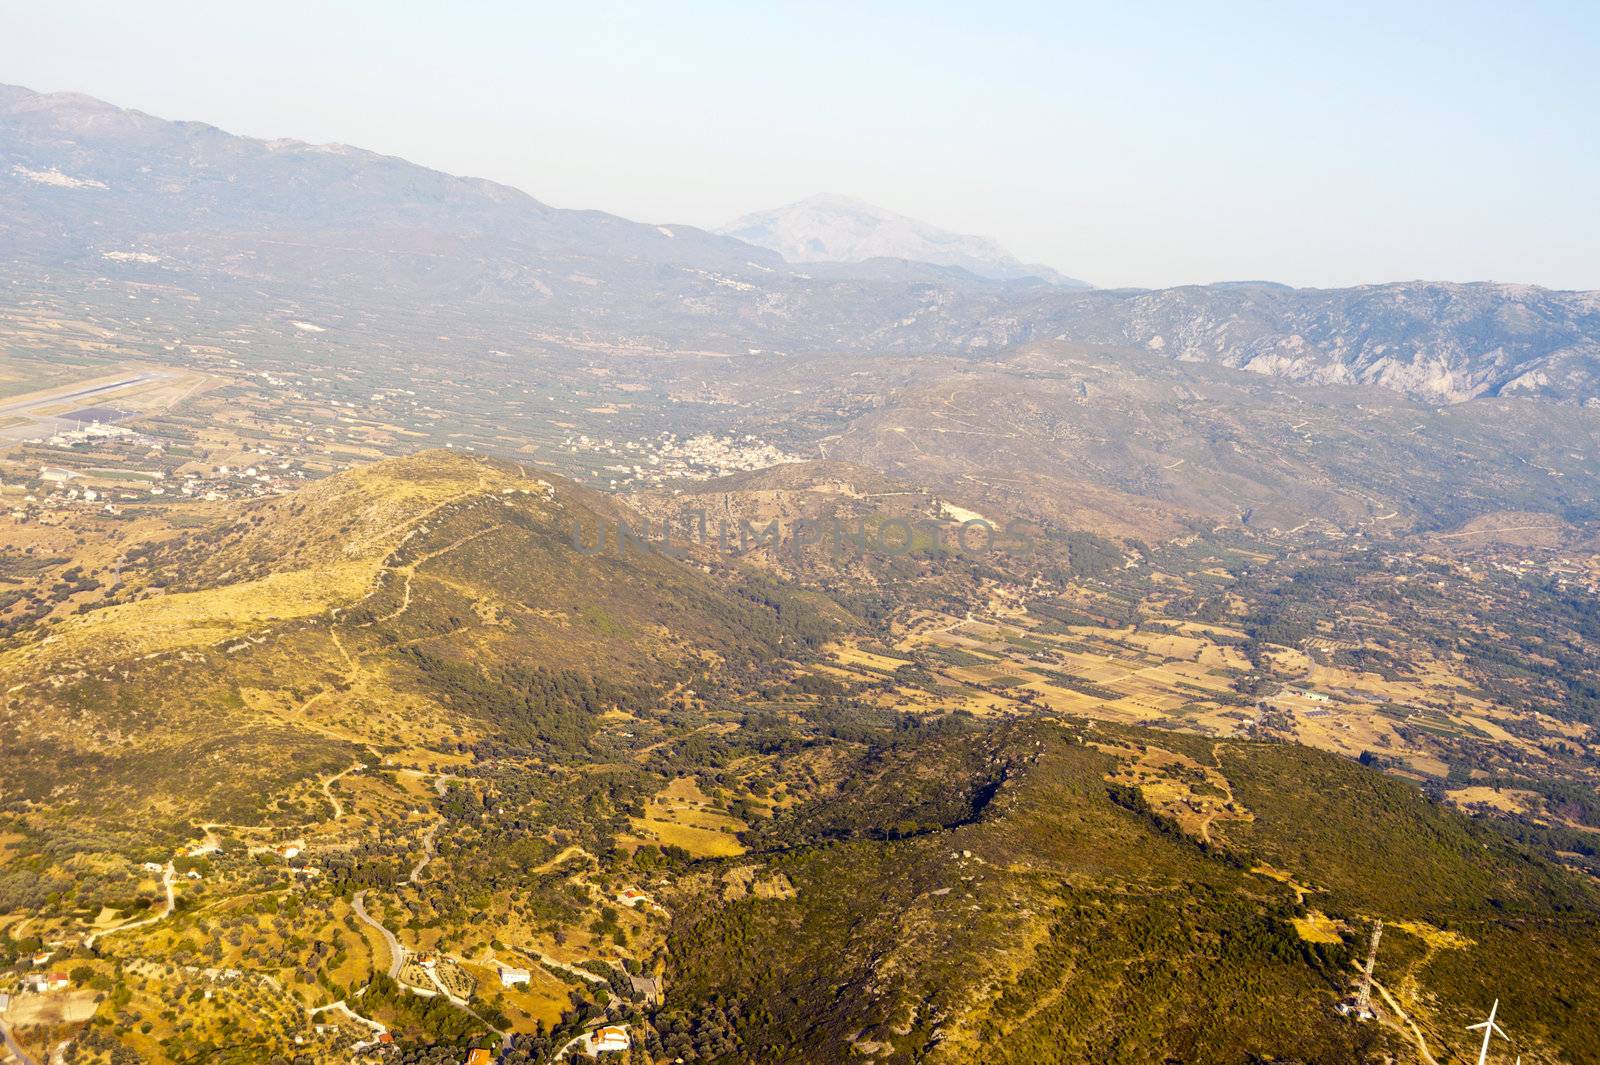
[(95, 196), (373, 587)]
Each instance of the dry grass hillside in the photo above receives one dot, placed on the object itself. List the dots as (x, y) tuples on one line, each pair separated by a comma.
[(422, 601)]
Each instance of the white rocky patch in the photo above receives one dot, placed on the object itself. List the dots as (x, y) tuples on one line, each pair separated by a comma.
[(725, 281), (961, 514), (56, 179), (130, 257), (1430, 377), (1528, 381)]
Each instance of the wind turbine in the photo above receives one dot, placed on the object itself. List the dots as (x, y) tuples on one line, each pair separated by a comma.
[(1490, 1030)]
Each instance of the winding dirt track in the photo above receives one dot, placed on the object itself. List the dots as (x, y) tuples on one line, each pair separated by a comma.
[(1393, 1004), (169, 879), (328, 792), (428, 851)]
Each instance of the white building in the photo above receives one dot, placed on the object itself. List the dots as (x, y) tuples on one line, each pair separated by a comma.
[(510, 977), (603, 1040), (43, 983)]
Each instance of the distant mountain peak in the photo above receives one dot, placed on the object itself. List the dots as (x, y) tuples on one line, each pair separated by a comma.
[(91, 194), (830, 227)]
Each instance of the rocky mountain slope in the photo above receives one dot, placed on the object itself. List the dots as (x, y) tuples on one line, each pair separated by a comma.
[(1433, 340), (1122, 442), (102, 203), (831, 228)]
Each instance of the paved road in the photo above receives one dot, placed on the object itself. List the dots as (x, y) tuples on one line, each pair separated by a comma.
[(14, 1046), (397, 953), (562, 1053), (397, 957)]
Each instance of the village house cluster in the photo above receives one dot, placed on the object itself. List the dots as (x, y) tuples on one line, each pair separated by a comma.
[(669, 458)]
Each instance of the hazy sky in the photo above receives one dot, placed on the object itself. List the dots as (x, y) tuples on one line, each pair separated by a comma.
[(1127, 144)]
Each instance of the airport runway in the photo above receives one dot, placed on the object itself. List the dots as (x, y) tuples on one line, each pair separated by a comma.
[(30, 424), (23, 406)]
